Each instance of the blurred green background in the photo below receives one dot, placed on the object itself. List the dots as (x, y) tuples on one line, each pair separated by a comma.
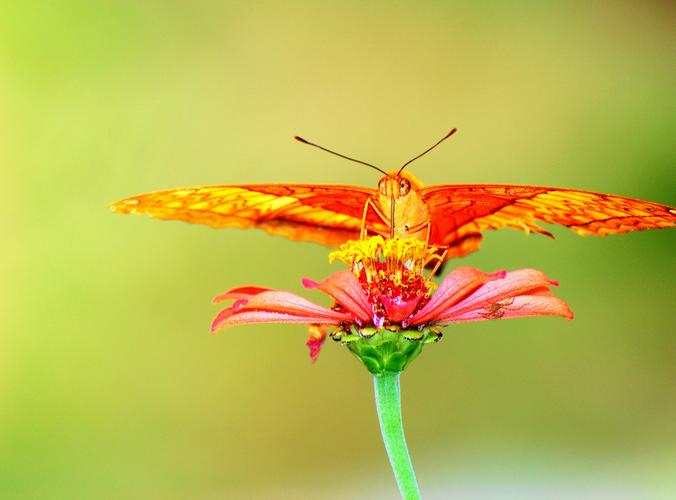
[(111, 386)]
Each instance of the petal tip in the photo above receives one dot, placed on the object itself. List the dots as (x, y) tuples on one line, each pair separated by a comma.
[(316, 340), (309, 284), (315, 346), (219, 298)]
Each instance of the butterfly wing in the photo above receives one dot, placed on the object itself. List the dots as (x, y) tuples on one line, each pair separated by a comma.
[(327, 214), (460, 213)]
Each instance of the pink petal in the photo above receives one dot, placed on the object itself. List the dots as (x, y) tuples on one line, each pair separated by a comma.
[(397, 309), (276, 307), (245, 292), (490, 298), (456, 286), (345, 289), (521, 307), (258, 317), (316, 340)]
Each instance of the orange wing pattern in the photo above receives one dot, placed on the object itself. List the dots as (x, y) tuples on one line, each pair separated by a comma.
[(324, 214), (461, 212)]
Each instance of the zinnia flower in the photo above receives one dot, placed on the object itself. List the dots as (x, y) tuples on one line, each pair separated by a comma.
[(385, 309)]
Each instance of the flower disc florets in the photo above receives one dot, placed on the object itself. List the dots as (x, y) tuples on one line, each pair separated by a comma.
[(391, 273)]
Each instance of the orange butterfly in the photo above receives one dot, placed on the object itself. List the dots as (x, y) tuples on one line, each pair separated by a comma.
[(449, 216)]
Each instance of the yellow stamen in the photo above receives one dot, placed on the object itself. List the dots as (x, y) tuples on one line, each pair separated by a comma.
[(397, 255)]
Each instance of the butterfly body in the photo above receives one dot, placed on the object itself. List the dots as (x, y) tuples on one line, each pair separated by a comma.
[(402, 206)]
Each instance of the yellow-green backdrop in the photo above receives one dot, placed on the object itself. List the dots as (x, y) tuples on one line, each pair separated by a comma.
[(111, 386)]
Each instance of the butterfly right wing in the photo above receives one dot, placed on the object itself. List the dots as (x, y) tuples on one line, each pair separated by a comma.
[(460, 213), (326, 214)]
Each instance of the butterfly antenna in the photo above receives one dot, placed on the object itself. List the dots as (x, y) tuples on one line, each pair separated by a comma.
[(428, 149), (300, 139)]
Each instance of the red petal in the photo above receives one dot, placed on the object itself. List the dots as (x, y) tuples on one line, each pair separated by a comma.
[(245, 292), (456, 286), (521, 307), (258, 317), (398, 309), (277, 307), (345, 289), (507, 298), (316, 340)]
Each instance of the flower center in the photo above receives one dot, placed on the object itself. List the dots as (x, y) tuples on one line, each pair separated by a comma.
[(391, 273)]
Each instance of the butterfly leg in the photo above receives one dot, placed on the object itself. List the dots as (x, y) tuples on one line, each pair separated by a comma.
[(440, 262), (412, 232), (369, 204), (441, 259)]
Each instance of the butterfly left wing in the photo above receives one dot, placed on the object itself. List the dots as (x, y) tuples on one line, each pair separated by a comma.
[(326, 214), (459, 213)]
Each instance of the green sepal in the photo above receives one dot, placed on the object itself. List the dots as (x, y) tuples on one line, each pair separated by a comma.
[(369, 351), (433, 337), (368, 332), (413, 349), (396, 362), (386, 350), (372, 364), (413, 334)]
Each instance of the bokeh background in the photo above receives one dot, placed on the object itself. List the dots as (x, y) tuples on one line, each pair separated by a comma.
[(111, 386)]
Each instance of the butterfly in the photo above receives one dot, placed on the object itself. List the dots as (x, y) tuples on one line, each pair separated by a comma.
[(450, 217)]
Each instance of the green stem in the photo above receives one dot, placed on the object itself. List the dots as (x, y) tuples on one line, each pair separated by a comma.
[(389, 414)]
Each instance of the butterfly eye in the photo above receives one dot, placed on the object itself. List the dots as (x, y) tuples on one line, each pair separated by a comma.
[(382, 186), (404, 187)]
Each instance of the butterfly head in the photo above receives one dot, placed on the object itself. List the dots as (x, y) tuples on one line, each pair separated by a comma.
[(397, 185)]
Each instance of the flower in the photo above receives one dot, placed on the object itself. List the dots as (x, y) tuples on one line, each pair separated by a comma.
[(384, 308)]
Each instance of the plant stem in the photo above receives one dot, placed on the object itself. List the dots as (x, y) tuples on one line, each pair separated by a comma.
[(389, 415)]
